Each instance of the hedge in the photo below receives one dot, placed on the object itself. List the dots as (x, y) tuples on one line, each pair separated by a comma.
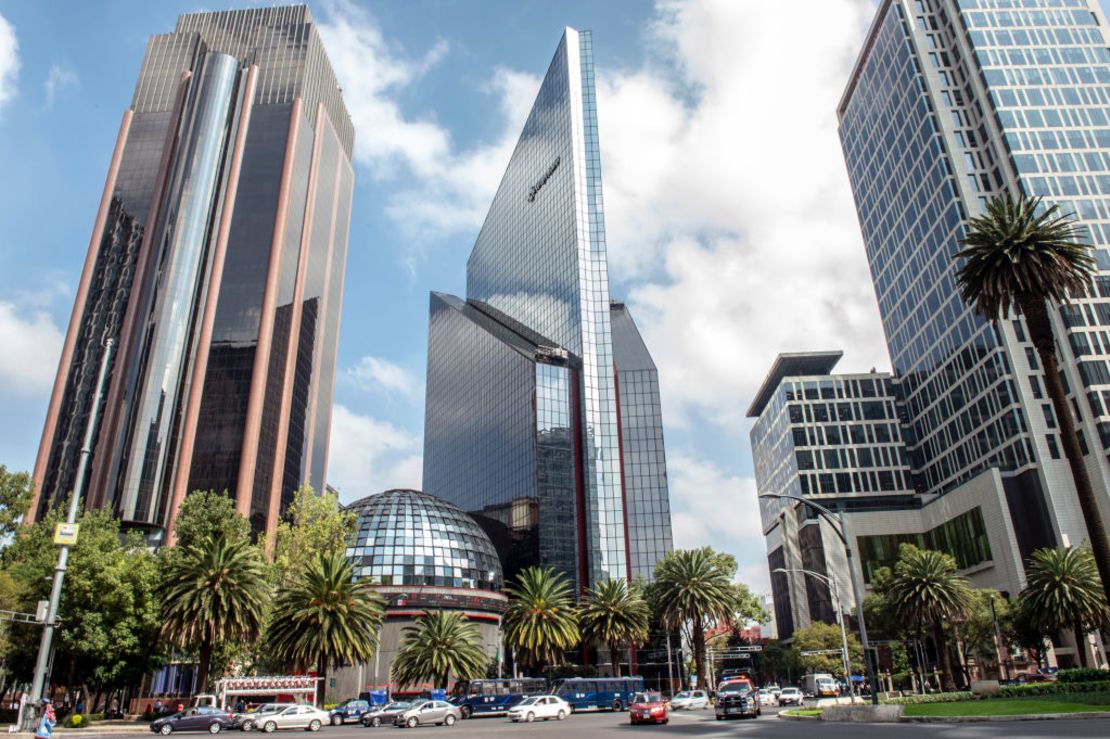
[(914, 700), (1083, 675), (1007, 691)]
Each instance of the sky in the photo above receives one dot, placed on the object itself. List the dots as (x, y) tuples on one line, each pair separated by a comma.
[(731, 230)]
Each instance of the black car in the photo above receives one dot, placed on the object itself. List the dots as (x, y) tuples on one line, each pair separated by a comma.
[(197, 718), (349, 710), (737, 701), (378, 715)]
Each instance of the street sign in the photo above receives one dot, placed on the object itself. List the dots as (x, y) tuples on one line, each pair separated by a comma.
[(42, 610), (65, 534)]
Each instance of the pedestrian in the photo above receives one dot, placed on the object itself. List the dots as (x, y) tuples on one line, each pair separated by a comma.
[(46, 725), (240, 706), (158, 707)]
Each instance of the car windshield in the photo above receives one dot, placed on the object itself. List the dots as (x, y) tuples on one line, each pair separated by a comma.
[(527, 702), (735, 688), (398, 706), (683, 694), (646, 698)]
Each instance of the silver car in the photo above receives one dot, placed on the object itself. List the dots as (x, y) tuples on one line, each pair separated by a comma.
[(302, 716), (424, 713), (246, 721)]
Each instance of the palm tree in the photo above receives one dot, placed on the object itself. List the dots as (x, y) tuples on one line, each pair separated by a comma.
[(614, 614), (926, 590), (693, 588), (1017, 258), (441, 644), (213, 591), (325, 615), (541, 622), (1063, 592)]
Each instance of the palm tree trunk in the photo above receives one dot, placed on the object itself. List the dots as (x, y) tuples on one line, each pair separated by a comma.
[(615, 658), (322, 673), (205, 665), (698, 637), (948, 681), (1040, 333), (1080, 643)]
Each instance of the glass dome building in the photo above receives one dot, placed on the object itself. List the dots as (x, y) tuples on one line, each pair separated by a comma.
[(410, 538)]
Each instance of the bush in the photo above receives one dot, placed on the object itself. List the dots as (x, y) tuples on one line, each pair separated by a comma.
[(1057, 688), (75, 721), (89, 718), (916, 700), (1083, 675)]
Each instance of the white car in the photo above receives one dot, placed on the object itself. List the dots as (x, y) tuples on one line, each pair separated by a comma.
[(301, 716), (773, 689), (540, 707), (766, 697), (689, 700), (790, 697)]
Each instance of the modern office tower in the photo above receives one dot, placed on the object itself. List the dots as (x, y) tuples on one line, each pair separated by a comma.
[(838, 440), (950, 103), (522, 427), (216, 265)]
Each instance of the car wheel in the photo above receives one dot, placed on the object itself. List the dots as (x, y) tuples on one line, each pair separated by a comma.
[(269, 727), (449, 720), (247, 725), (165, 730), (314, 725), (618, 706), (465, 711), (413, 722), (530, 717), (562, 714), (336, 720), (214, 728), (376, 721)]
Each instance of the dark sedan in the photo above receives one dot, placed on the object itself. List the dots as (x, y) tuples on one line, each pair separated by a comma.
[(197, 718), (378, 715)]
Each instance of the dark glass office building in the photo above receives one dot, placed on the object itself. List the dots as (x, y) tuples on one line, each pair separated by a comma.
[(523, 428), (216, 266)]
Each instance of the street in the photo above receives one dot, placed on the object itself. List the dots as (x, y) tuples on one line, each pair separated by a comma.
[(703, 724)]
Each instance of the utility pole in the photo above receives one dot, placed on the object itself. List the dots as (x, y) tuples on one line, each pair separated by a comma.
[(670, 667), (42, 664)]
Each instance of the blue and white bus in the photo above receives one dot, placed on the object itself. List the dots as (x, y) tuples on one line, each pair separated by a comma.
[(494, 697), (598, 693)]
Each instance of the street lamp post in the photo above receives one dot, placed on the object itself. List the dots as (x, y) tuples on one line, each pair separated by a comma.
[(839, 526), (831, 583)]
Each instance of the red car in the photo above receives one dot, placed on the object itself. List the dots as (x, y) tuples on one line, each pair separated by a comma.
[(649, 708)]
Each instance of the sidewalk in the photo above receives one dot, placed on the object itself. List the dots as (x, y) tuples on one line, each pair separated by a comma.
[(97, 729)]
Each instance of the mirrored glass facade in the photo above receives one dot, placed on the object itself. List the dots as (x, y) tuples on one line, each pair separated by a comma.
[(528, 357), (405, 537), (217, 267)]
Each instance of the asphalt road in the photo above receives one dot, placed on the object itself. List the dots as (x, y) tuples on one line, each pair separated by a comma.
[(703, 724)]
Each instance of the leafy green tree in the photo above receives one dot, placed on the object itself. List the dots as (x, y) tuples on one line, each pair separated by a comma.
[(15, 498), (109, 614), (780, 662), (214, 590), (927, 591), (615, 614), (1029, 631), (822, 637), (205, 514), (541, 622), (325, 615), (1063, 592), (439, 645), (1022, 255), (978, 631), (694, 591), (314, 525)]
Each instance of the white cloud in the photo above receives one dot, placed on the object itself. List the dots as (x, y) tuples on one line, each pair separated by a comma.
[(9, 61), (368, 456), (727, 204), (58, 77), (376, 373), (711, 507), (451, 188), (31, 347)]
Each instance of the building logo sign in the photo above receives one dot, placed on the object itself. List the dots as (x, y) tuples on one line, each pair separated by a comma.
[(543, 180)]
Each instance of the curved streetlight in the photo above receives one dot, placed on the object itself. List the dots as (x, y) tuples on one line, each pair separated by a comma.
[(836, 520), (831, 584)]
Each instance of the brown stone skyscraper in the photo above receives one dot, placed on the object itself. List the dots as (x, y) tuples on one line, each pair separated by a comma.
[(216, 264)]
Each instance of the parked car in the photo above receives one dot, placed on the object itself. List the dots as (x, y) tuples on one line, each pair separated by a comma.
[(348, 710), (790, 697), (649, 708), (689, 700), (540, 706), (300, 716), (1024, 678), (196, 718), (246, 721), (422, 713), (378, 715)]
